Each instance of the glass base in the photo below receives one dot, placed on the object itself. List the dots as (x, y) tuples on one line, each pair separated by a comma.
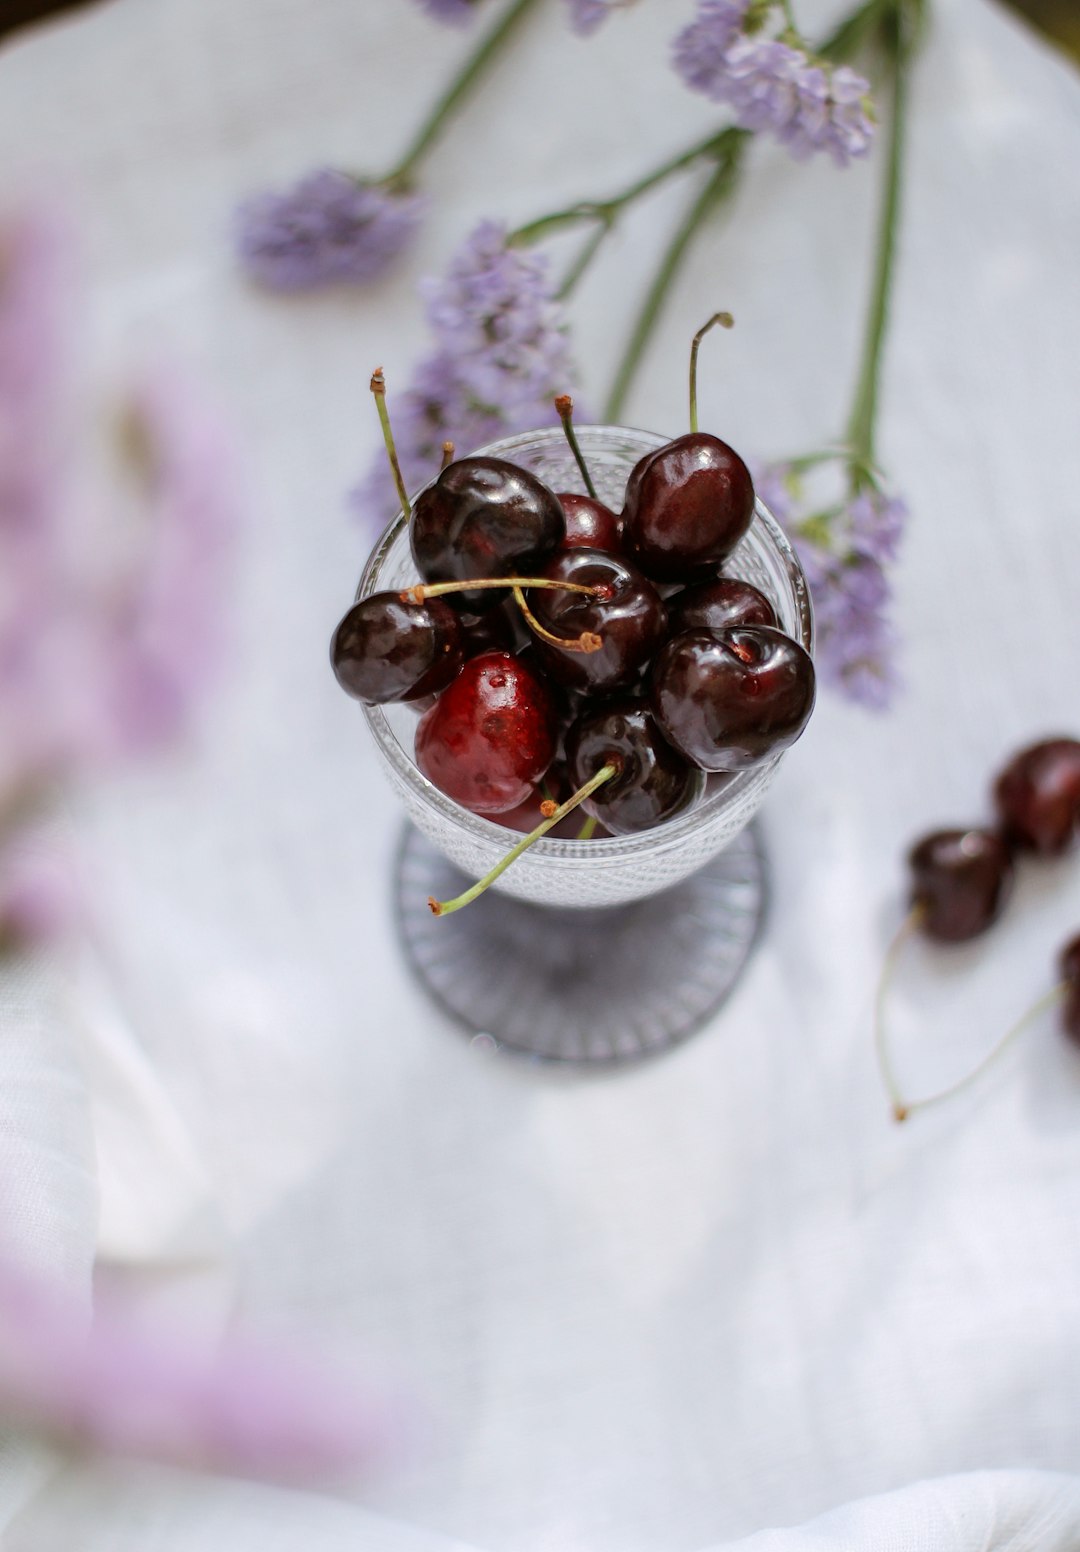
[(582, 986)]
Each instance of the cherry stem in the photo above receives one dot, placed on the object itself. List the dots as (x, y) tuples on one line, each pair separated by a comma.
[(586, 831), (447, 455), (378, 388), (422, 590), (445, 907), (564, 406), (902, 1108), (588, 641), (727, 321)]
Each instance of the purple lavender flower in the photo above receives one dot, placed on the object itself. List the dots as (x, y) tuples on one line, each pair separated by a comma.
[(121, 1389), (454, 12), (159, 629), (844, 551), (770, 84), (587, 15), (329, 227), (502, 355)]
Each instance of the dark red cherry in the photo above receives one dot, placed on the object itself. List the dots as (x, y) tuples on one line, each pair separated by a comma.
[(500, 630), (1038, 796), (483, 517), (385, 650), (653, 782), (630, 620), (960, 881), (731, 699), (490, 736), (1069, 964), (718, 604), (687, 506), (555, 788), (589, 523)]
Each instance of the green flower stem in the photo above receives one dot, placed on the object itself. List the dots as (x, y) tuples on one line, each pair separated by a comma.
[(718, 188), (455, 94), (861, 424), (605, 211), (855, 31)]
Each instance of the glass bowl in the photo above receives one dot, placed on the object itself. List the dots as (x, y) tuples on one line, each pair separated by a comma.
[(667, 916), (566, 873)]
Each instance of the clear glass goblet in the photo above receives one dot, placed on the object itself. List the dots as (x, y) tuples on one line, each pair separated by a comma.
[(592, 951)]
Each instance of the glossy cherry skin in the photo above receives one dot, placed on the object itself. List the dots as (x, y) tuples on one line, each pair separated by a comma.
[(718, 604), (590, 524), (687, 506), (960, 881), (483, 517), (386, 650), (1038, 796), (500, 630), (490, 736), (732, 699), (1069, 964), (653, 782), (630, 620)]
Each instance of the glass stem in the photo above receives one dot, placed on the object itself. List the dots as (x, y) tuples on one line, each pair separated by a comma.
[(861, 425), (719, 186), (455, 94)]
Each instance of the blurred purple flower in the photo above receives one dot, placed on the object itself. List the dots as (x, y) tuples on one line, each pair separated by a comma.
[(327, 228), (587, 15), (160, 627), (502, 355), (844, 552), (772, 84), (117, 1388), (455, 12), (111, 594)]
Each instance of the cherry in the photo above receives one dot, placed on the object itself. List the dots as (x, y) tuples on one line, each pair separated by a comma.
[(589, 523), (1038, 796), (630, 620), (386, 650), (483, 517), (554, 789), (652, 783), (500, 630), (490, 736), (961, 880), (731, 699), (718, 604), (1069, 964), (687, 506)]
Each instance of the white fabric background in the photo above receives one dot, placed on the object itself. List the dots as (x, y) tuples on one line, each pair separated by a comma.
[(658, 1311)]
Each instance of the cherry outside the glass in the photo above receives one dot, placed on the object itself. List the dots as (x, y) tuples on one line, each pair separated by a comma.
[(653, 781), (960, 881), (1038, 796), (730, 699), (687, 507), (385, 650), (490, 736), (483, 517), (1069, 965)]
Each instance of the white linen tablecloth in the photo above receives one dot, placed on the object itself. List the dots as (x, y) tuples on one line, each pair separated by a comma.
[(657, 1311)]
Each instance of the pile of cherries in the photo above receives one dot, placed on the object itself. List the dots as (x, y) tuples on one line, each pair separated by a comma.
[(553, 642)]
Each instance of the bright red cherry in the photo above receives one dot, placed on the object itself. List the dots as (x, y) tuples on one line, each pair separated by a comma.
[(960, 881), (1038, 796), (490, 736), (687, 506)]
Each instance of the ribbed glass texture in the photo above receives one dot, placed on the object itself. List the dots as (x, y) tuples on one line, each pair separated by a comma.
[(618, 869)]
